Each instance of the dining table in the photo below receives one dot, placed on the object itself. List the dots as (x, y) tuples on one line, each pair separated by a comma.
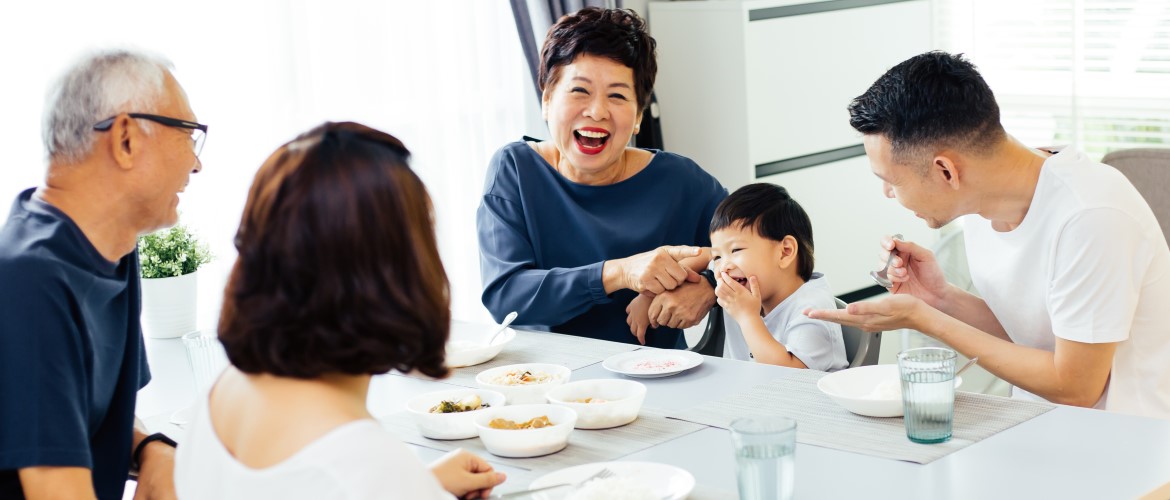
[(1060, 452)]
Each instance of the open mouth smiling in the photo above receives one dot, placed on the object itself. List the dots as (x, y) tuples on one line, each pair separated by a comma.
[(591, 140)]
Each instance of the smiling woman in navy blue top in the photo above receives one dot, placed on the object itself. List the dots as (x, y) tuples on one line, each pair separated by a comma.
[(572, 229)]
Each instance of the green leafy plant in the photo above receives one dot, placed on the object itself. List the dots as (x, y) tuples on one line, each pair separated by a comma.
[(171, 252)]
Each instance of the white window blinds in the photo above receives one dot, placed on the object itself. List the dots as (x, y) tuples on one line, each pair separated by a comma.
[(1092, 73)]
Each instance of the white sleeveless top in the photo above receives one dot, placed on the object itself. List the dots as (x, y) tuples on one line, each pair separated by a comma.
[(358, 460)]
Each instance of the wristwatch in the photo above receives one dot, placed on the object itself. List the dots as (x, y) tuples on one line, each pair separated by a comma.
[(710, 275), (136, 458)]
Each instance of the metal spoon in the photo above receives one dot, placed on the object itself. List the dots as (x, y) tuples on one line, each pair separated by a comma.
[(969, 364), (503, 326), (880, 277)]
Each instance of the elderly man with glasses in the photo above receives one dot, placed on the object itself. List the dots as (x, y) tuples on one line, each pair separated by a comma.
[(121, 142)]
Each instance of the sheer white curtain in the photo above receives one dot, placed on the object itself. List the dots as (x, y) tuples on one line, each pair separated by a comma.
[(447, 77), (1093, 73)]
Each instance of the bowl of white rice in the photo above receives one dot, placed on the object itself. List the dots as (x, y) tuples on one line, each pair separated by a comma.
[(627, 481)]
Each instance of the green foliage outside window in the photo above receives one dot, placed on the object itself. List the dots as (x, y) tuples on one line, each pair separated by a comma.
[(171, 252)]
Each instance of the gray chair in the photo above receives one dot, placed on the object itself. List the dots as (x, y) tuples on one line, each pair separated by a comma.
[(861, 348), (711, 343), (1149, 171)]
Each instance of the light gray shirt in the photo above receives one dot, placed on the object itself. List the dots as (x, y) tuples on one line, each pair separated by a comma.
[(817, 343)]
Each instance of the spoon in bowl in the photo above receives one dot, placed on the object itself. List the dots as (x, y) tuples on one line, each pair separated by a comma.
[(503, 326), (880, 277)]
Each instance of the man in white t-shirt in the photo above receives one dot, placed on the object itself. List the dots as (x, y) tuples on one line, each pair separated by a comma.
[(1072, 266)]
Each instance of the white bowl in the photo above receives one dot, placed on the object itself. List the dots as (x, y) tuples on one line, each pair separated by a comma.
[(524, 443), (524, 393), (622, 400), (450, 425), (466, 346), (873, 391)]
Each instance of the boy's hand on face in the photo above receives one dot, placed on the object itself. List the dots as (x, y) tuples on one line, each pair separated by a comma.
[(739, 301), (638, 317)]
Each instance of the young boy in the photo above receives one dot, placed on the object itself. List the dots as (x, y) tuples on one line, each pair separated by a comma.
[(762, 251)]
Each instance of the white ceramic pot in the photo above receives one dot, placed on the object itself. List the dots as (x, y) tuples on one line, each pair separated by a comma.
[(169, 306)]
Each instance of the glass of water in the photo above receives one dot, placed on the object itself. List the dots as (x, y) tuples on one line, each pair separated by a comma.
[(928, 393), (765, 457), (207, 359)]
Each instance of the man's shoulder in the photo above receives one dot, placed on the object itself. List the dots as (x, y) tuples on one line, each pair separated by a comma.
[(35, 251), (1087, 183), (32, 246)]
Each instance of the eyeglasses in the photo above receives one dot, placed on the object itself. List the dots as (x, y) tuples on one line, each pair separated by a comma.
[(198, 130)]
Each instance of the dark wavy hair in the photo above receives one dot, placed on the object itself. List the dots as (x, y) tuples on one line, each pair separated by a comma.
[(616, 34), (773, 214), (930, 101), (338, 268)]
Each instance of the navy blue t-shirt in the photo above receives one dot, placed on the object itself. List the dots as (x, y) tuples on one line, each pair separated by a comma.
[(71, 353), (543, 239)]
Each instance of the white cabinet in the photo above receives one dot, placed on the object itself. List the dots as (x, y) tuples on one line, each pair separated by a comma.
[(756, 91)]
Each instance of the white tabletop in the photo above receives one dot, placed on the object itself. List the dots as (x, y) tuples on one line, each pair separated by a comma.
[(1065, 453)]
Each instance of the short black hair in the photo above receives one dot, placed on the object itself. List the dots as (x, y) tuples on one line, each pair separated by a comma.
[(929, 101), (773, 214), (616, 34)]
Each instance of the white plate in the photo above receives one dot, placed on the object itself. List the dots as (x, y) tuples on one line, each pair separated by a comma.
[(664, 481), (652, 363)]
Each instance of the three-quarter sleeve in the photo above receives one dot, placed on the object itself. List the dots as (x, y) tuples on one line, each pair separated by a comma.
[(512, 278)]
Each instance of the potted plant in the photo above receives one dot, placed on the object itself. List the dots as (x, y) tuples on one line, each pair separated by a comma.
[(169, 259)]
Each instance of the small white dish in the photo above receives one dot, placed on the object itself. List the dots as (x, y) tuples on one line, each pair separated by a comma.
[(529, 393), (467, 344), (873, 391), (620, 401), (525, 443), (663, 481), (652, 363), (450, 425)]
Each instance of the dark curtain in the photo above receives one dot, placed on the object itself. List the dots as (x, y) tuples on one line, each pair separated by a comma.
[(650, 135)]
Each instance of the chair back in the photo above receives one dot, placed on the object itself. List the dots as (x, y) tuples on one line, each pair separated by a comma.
[(1149, 171), (711, 344), (861, 347)]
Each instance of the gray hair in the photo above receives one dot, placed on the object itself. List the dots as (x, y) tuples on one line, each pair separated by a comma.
[(97, 87)]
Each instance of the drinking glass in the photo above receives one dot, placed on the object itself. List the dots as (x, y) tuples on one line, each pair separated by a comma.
[(207, 359), (765, 457), (928, 393)]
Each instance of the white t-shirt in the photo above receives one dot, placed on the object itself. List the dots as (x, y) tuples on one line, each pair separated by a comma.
[(1089, 264), (358, 460), (817, 343)]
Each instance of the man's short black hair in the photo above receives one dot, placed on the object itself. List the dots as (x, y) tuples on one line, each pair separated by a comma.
[(773, 214), (927, 102)]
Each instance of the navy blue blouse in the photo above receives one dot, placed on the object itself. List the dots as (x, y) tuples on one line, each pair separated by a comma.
[(543, 238)]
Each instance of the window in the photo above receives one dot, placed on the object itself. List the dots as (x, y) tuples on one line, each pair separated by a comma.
[(1092, 73)]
